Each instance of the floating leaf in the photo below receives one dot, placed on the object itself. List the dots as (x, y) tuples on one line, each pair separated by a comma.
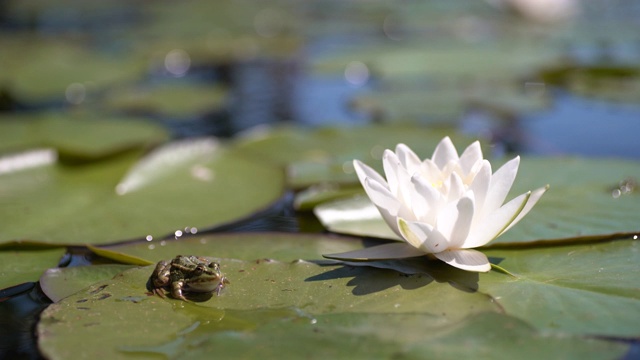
[(21, 265), (585, 289), (244, 246), (309, 303), (411, 336), (170, 100), (196, 185), (79, 137), (45, 68), (256, 289)]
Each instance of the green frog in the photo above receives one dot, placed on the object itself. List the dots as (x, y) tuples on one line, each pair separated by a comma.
[(187, 274)]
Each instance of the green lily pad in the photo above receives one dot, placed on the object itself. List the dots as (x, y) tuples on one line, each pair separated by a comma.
[(58, 283), (367, 336), (587, 200), (326, 154), (438, 101), (194, 184), (256, 289), (21, 265), (269, 300), (243, 246), (584, 289), (43, 69), (78, 136), (483, 60), (179, 100)]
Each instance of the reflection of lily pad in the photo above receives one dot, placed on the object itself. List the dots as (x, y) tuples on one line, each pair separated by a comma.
[(582, 203), (194, 184), (326, 154), (26, 265)]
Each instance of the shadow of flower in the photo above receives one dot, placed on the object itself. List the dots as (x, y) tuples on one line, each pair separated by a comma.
[(412, 273)]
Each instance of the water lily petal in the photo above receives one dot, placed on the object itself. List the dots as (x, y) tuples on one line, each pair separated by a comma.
[(462, 226), (533, 199), (365, 171), (455, 187), (480, 186), (381, 196), (408, 159), (380, 252), (390, 163), (496, 222), (469, 260), (444, 152), (431, 173), (422, 236), (501, 182), (471, 155), (405, 188), (426, 199)]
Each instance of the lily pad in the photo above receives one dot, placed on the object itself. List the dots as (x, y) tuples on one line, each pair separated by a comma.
[(42, 69), (258, 289), (483, 60), (243, 246), (21, 265), (195, 184), (586, 201), (367, 336), (78, 136), (326, 154), (58, 283), (438, 101), (180, 100), (314, 303), (584, 289)]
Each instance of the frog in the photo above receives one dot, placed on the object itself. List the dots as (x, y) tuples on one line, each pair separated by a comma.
[(185, 274)]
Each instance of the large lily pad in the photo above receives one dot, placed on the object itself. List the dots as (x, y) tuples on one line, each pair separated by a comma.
[(19, 266), (193, 184), (78, 136), (588, 199), (262, 292), (312, 303)]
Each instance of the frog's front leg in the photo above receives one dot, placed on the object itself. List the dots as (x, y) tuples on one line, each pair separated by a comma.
[(176, 290), (160, 278), (221, 285)]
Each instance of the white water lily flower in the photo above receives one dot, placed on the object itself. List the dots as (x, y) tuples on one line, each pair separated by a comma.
[(442, 206)]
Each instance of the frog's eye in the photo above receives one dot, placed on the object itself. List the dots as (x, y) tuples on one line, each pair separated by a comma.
[(213, 265), (199, 269)]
